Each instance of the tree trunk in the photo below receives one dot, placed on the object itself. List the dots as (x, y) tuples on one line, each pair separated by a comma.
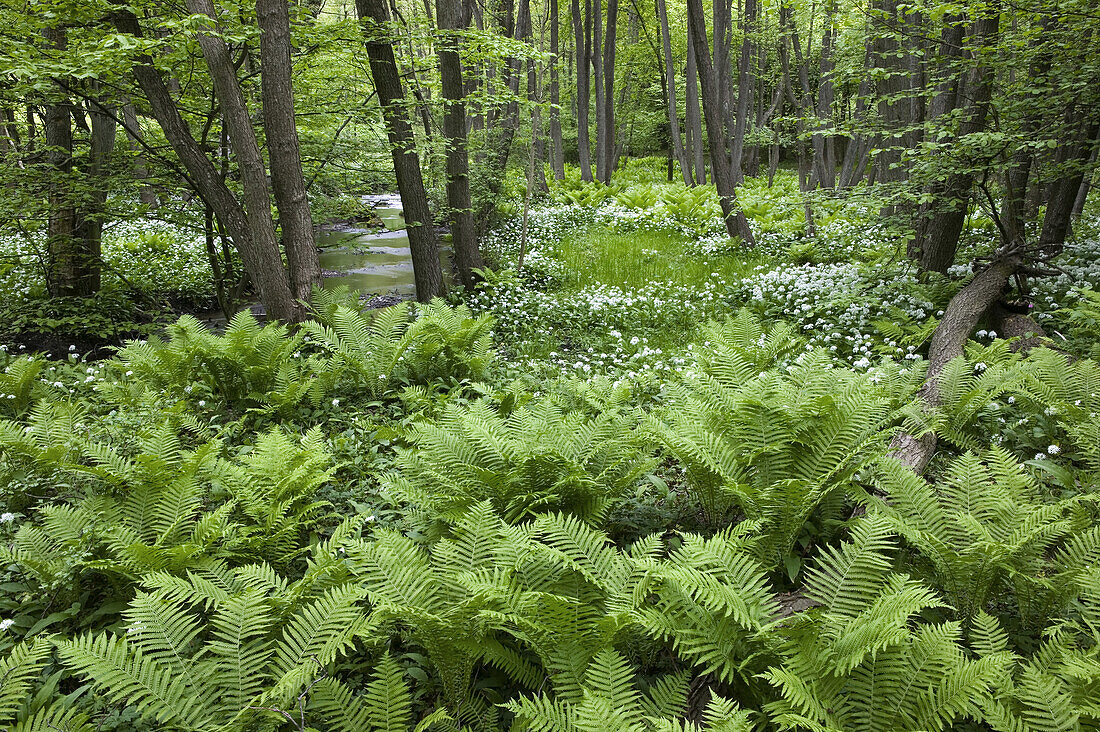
[(287, 181), (428, 275), (736, 223), (242, 136), (596, 57), (1086, 180), (557, 153), (261, 259), (693, 116), (676, 143), (745, 87), (581, 35), (147, 194), (959, 320), (452, 18), (938, 234), (89, 222), (63, 275), (1073, 156), (607, 144)]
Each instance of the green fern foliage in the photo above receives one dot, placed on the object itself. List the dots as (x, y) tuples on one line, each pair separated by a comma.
[(610, 700), (156, 510), (249, 367), (385, 703), (711, 599), (375, 354), (858, 662), (985, 530), (19, 384), (198, 657), (537, 459), (775, 444)]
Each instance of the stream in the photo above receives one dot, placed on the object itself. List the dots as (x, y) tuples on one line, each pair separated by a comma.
[(373, 261)]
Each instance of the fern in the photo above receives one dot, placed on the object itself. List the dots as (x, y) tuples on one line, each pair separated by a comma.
[(858, 662), (984, 530), (180, 671), (374, 355), (609, 700), (385, 705), (711, 600), (537, 459), (249, 367), (774, 444)]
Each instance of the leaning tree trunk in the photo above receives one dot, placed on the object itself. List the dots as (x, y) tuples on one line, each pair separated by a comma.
[(262, 260), (452, 19), (736, 223), (959, 320), (242, 135), (284, 151), (423, 243)]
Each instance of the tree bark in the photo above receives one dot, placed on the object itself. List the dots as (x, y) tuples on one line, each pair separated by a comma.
[(284, 151), (147, 194), (63, 273), (261, 259), (242, 136), (452, 19), (581, 36), (959, 320), (596, 57), (675, 141), (693, 118), (557, 153), (938, 233), (607, 143), (427, 273), (89, 221), (736, 223), (745, 87)]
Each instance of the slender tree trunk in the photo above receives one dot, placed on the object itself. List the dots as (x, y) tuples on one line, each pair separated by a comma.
[(261, 259), (736, 223), (1086, 180), (557, 153), (1073, 155), (64, 257), (581, 35), (825, 143), (677, 144), (89, 221), (242, 136), (287, 182), (147, 194), (938, 233), (423, 243), (607, 144), (596, 57), (693, 116), (745, 85), (452, 18)]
